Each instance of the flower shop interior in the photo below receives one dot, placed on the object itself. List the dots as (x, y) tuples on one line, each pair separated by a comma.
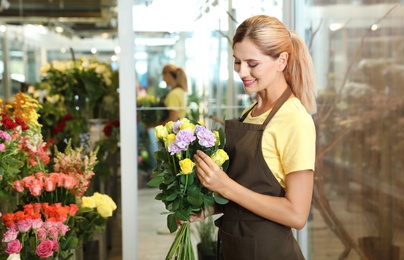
[(74, 75)]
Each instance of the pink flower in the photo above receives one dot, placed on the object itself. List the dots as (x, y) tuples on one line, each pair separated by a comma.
[(41, 232), (53, 232), (24, 225), (63, 229), (44, 249), (14, 247), (36, 223), (50, 185), (69, 182), (40, 176), (55, 245), (18, 186), (28, 180), (36, 188), (10, 235), (2, 147), (5, 136)]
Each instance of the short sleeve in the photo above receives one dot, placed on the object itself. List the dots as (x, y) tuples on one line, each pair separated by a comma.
[(297, 142)]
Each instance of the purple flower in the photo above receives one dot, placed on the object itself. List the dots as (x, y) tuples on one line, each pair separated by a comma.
[(173, 149), (176, 126), (205, 137), (184, 138)]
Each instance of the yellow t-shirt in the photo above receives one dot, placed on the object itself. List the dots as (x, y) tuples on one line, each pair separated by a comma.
[(176, 100), (289, 140)]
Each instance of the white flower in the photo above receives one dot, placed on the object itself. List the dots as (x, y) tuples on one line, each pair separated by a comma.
[(14, 257)]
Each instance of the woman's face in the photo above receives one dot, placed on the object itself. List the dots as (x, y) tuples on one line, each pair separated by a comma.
[(257, 71), (168, 78)]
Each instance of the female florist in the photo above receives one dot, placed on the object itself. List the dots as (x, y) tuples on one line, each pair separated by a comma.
[(48, 209)]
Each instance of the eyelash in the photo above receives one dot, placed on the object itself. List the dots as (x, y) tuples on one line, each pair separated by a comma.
[(251, 66)]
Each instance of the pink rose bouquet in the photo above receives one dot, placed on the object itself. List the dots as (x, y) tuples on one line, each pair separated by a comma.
[(39, 230), (181, 190)]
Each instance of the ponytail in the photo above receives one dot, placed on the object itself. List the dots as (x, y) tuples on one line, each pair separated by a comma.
[(181, 79), (299, 74)]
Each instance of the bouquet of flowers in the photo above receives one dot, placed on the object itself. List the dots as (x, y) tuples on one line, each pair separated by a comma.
[(181, 190), (151, 109)]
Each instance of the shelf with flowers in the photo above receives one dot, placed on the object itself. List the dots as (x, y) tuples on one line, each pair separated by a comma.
[(73, 92), (53, 215)]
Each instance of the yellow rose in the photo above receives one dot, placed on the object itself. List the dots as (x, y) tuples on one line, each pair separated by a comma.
[(108, 200), (104, 210), (169, 127), (220, 156), (169, 140), (187, 166), (184, 120), (187, 126), (216, 133), (98, 198), (87, 202), (160, 132)]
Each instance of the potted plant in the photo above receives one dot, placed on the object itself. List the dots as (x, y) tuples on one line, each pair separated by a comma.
[(207, 246)]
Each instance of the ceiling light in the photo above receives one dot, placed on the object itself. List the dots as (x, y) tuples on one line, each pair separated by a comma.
[(374, 27), (3, 28), (117, 49), (93, 50), (336, 26), (59, 29)]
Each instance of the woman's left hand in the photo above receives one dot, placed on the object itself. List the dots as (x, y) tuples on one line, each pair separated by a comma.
[(210, 174)]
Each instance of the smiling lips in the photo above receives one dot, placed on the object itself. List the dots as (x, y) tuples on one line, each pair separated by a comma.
[(248, 83)]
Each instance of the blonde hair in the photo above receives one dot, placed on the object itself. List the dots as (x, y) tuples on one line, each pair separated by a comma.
[(272, 38), (178, 74)]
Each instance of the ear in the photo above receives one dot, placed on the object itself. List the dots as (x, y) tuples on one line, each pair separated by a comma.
[(283, 61)]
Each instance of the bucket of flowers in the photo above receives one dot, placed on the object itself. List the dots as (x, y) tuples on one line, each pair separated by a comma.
[(181, 191), (52, 215)]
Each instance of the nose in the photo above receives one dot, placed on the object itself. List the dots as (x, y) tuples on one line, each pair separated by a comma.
[(242, 70)]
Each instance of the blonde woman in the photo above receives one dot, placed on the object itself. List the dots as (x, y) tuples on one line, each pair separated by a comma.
[(269, 182)]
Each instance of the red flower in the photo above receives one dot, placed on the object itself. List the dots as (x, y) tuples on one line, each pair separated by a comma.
[(21, 122), (67, 117), (107, 130)]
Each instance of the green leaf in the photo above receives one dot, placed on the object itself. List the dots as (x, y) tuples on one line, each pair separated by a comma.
[(172, 223), (183, 214), (156, 181), (208, 200), (195, 199), (220, 200), (172, 196)]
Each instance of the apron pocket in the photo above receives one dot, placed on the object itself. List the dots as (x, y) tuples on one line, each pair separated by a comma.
[(237, 247)]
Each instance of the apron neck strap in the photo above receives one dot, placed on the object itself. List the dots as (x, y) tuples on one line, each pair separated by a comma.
[(282, 99)]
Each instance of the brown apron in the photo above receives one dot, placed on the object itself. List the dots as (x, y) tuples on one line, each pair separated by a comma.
[(244, 235)]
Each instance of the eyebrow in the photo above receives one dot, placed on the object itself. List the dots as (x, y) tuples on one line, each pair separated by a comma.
[(249, 60)]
